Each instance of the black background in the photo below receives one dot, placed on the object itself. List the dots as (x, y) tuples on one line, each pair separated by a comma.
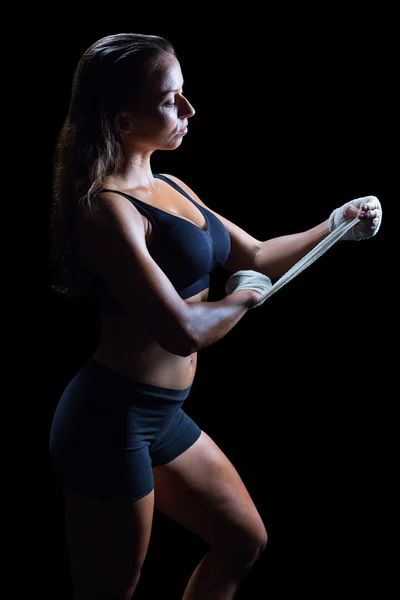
[(295, 116)]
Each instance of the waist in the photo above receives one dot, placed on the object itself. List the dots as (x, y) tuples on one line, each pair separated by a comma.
[(126, 347), (148, 363), (142, 392)]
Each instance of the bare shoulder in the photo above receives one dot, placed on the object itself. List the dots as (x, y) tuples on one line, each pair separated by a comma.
[(112, 213), (110, 208), (112, 222)]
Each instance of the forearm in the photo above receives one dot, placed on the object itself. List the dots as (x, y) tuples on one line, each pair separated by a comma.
[(208, 322), (277, 255)]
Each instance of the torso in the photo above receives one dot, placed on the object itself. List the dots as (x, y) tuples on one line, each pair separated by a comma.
[(125, 345)]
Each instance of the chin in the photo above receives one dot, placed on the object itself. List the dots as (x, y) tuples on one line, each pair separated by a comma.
[(173, 145)]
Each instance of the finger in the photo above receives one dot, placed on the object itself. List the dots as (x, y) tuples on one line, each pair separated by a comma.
[(351, 211), (371, 224), (370, 206), (370, 214)]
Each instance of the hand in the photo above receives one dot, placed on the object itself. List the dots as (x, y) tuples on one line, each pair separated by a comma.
[(249, 280), (368, 209)]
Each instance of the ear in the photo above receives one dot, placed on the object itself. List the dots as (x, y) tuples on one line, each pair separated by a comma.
[(125, 122)]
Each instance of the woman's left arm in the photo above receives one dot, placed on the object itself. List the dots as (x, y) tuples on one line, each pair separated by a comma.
[(275, 256)]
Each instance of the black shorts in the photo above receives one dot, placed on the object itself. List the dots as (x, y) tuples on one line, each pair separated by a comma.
[(108, 430)]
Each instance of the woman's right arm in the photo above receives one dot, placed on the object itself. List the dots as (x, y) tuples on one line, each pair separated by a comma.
[(113, 243)]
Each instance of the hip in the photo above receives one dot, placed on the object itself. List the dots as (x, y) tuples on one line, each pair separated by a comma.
[(100, 406)]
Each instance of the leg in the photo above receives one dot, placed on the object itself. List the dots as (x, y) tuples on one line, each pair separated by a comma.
[(107, 544), (202, 491)]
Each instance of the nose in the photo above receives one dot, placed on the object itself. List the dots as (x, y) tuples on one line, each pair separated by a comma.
[(186, 110)]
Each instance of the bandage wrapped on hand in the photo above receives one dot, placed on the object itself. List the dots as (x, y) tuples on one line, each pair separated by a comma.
[(249, 280), (358, 232)]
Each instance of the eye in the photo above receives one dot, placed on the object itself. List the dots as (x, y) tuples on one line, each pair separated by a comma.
[(172, 101)]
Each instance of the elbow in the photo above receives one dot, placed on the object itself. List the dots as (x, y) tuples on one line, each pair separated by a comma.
[(180, 335), (188, 350), (188, 346), (180, 342)]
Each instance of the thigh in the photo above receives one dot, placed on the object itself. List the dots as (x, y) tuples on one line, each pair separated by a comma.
[(107, 542), (202, 491)]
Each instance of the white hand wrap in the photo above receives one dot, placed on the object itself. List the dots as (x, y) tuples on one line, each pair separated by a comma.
[(355, 233), (249, 280), (340, 227)]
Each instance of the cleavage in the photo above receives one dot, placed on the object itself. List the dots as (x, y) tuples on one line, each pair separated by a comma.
[(166, 198)]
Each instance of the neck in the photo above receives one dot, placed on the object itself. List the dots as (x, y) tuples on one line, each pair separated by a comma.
[(135, 173)]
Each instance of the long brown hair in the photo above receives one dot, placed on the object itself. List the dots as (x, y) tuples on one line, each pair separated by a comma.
[(108, 78)]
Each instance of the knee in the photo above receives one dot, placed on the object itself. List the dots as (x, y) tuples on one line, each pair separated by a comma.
[(258, 544), (117, 592), (248, 547)]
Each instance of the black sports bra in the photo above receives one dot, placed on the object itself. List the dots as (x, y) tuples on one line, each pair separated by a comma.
[(186, 253)]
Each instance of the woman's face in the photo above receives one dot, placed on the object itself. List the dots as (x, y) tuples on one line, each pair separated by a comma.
[(159, 120)]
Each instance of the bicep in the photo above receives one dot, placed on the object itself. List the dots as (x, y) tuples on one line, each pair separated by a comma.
[(118, 252), (244, 246)]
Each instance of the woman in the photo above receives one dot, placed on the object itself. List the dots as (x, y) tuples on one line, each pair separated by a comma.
[(143, 245)]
